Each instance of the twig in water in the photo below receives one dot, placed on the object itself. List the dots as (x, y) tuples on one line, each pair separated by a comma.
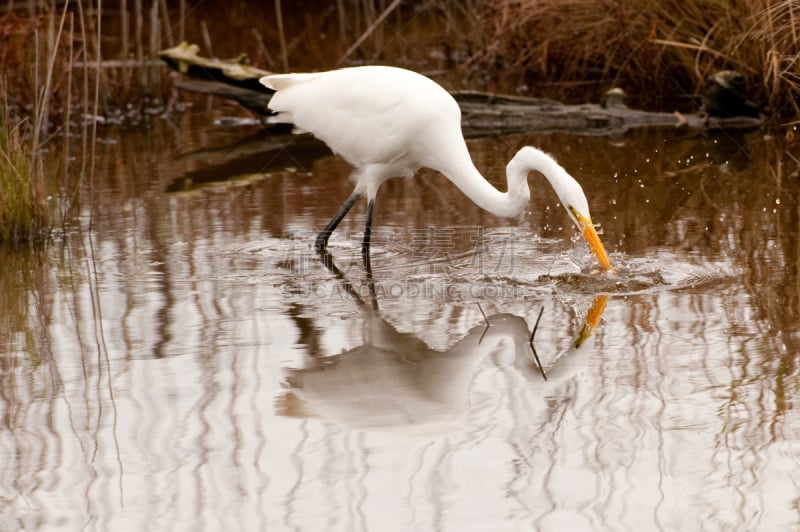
[(484, 315), (535, 354), (487, 324)]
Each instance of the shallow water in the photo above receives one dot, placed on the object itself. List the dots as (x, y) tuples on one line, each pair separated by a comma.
[(185, 361)]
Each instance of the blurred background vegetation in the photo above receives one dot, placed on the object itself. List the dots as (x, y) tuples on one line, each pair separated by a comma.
[(572, 50)]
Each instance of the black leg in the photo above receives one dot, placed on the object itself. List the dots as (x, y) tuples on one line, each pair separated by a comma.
[(322, 238), (367, 234), (327, 261)]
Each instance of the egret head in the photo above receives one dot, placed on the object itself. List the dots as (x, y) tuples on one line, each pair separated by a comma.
[(572, 197), (569, 192)]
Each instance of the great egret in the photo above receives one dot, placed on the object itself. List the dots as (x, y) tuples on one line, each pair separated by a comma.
[(389, 122)]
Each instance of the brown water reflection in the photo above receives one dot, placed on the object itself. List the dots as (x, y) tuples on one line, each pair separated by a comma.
[(150, 360)]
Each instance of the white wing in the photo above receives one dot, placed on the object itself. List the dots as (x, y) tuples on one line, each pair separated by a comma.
[(371, 114)]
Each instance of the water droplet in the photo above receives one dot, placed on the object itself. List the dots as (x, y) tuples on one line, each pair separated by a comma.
[(777, 201)]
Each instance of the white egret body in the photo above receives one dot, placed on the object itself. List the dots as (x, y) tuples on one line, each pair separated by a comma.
[(389, 122)]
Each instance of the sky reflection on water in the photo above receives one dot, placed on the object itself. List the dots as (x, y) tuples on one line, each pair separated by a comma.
[(189, 362)]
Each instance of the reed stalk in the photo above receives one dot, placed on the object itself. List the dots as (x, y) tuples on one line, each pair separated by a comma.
[(655, 50), (24, 215)]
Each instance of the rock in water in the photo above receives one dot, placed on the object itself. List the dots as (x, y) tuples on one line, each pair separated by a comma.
[(724, 94)]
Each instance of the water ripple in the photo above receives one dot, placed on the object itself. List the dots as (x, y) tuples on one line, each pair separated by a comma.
[(640, 275)]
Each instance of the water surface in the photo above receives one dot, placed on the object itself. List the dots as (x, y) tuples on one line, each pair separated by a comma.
[(183, 360)]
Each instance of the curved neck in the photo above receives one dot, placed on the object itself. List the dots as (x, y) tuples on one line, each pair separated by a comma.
[(527, 159), (461, 171)]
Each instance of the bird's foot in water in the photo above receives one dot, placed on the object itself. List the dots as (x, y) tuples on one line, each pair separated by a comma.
[(321, 243), (366, 260)]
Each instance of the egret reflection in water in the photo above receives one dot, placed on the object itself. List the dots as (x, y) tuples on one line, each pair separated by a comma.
[(394, 381), (142, 360)]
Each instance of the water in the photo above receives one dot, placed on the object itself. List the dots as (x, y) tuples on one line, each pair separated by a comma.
[(183, 360)]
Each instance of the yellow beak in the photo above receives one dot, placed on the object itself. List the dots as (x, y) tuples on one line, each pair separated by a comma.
[(592, 319), (592, 238)]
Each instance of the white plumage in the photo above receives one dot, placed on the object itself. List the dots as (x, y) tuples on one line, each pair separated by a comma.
[(389, 122)]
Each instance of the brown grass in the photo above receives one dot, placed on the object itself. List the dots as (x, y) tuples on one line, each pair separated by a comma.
[(572, 50), (108, 58), (654, 50)]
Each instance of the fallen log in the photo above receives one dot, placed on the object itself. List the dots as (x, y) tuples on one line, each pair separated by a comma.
[(485, 114), (482, 113), (234, 72)]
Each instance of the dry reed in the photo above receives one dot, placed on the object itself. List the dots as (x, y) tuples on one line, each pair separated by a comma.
[(571, 50), (655, 50)]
